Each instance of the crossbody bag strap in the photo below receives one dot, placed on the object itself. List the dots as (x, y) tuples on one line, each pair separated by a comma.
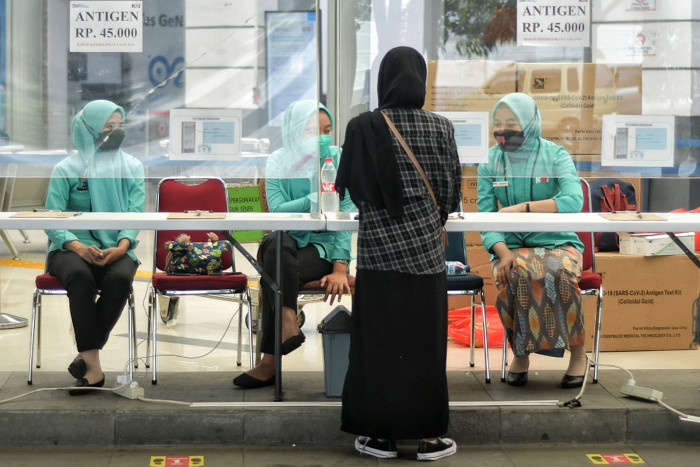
[(418, 167), (412, 157)]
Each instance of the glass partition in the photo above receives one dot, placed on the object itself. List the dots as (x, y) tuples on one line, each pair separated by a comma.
[(204, 83), (204, 86), (609, 78)]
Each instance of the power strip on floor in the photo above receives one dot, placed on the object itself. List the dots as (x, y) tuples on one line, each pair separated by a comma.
[(131, 391), (638, 392)]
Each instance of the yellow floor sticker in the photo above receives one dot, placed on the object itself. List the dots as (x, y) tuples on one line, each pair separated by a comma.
[(177, 461), (615, 459)]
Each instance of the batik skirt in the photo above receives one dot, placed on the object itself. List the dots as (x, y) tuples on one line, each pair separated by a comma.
[(540, 307)]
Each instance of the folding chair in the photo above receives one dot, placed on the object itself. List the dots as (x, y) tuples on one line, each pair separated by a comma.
[(468, 284), (46, 284), (591, 283), (178, 194)]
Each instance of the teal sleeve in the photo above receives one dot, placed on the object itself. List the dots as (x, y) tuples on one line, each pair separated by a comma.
[(487, 202), (570, 196), (57, 199), (279, 201), (137, 202)]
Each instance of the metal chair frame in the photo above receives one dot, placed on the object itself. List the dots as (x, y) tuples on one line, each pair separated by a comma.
[(243, 293), (476, 289), (35, 323)]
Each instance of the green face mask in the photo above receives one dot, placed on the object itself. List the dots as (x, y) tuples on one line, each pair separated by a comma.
[(324, 142)]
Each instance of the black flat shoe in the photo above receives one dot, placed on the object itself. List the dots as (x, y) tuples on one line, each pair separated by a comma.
[(517, 379), (77, 368), (245, 381), (83, 383), (293, 343), (570, 382)]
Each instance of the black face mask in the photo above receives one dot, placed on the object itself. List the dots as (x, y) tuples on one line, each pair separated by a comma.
[(110, 140), (509, 140)]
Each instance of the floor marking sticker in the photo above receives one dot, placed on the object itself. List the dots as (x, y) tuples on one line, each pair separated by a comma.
[(615, 459), (177, 461)]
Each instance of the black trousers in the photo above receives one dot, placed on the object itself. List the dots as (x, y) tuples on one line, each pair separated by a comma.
[(93, 317), (299, 265)]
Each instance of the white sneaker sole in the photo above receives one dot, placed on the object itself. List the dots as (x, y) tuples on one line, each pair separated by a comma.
[(362, 449), (433, 456)]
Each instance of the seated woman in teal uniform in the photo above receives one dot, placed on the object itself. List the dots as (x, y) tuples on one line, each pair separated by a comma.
[(99, 177), (539, 300)]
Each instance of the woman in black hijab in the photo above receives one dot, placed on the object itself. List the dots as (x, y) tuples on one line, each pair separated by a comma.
[(396, 386)]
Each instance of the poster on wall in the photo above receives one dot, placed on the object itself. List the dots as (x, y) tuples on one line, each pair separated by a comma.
[(554, 23), (641, 5), (638, 141), (205, 134), (292, 59), (471, 135), (110, 26)]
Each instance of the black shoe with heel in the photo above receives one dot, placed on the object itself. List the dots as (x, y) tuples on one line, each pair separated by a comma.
[(84, 383), (570, 382), (293, 343), (77, 368), (517, 379), (245, 381)]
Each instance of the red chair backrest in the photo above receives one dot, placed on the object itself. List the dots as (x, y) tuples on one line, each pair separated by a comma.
[(587, 237), (179, 195)]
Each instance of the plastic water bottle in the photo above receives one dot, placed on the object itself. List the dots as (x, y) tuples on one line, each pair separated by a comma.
[(329, 197), (456, 267)]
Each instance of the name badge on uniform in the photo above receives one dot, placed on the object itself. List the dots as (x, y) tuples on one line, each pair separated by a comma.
[(501, 183)]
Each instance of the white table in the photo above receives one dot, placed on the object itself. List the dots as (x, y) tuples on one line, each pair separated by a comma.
[(464, 222), (546, 222)]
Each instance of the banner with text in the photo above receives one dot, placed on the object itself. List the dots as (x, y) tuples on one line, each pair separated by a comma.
[(113, 26)]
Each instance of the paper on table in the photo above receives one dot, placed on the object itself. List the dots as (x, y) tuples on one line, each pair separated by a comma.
[(46, 214), (631, 216), (197, 215)]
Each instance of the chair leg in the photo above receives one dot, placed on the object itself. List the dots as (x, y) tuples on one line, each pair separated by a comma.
[(132, 335), (148, 331), (240, 330), (487, 363), (504, 360), (472, 334), (153, 334), (39, 304), (596, 341), (32, 331), (249, 320)]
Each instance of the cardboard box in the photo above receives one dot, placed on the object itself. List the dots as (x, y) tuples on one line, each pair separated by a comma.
[(648, 302), (654, 244), (572, 97), (469, 200)]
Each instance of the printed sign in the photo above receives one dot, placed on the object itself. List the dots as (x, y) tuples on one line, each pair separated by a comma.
[(638, 141), (113, 26), (205, 134), (641, 5), (471, 135), (554, 23)]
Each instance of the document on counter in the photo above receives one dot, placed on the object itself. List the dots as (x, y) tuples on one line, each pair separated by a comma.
[(631, 216), (197, 215), (46, 214)]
